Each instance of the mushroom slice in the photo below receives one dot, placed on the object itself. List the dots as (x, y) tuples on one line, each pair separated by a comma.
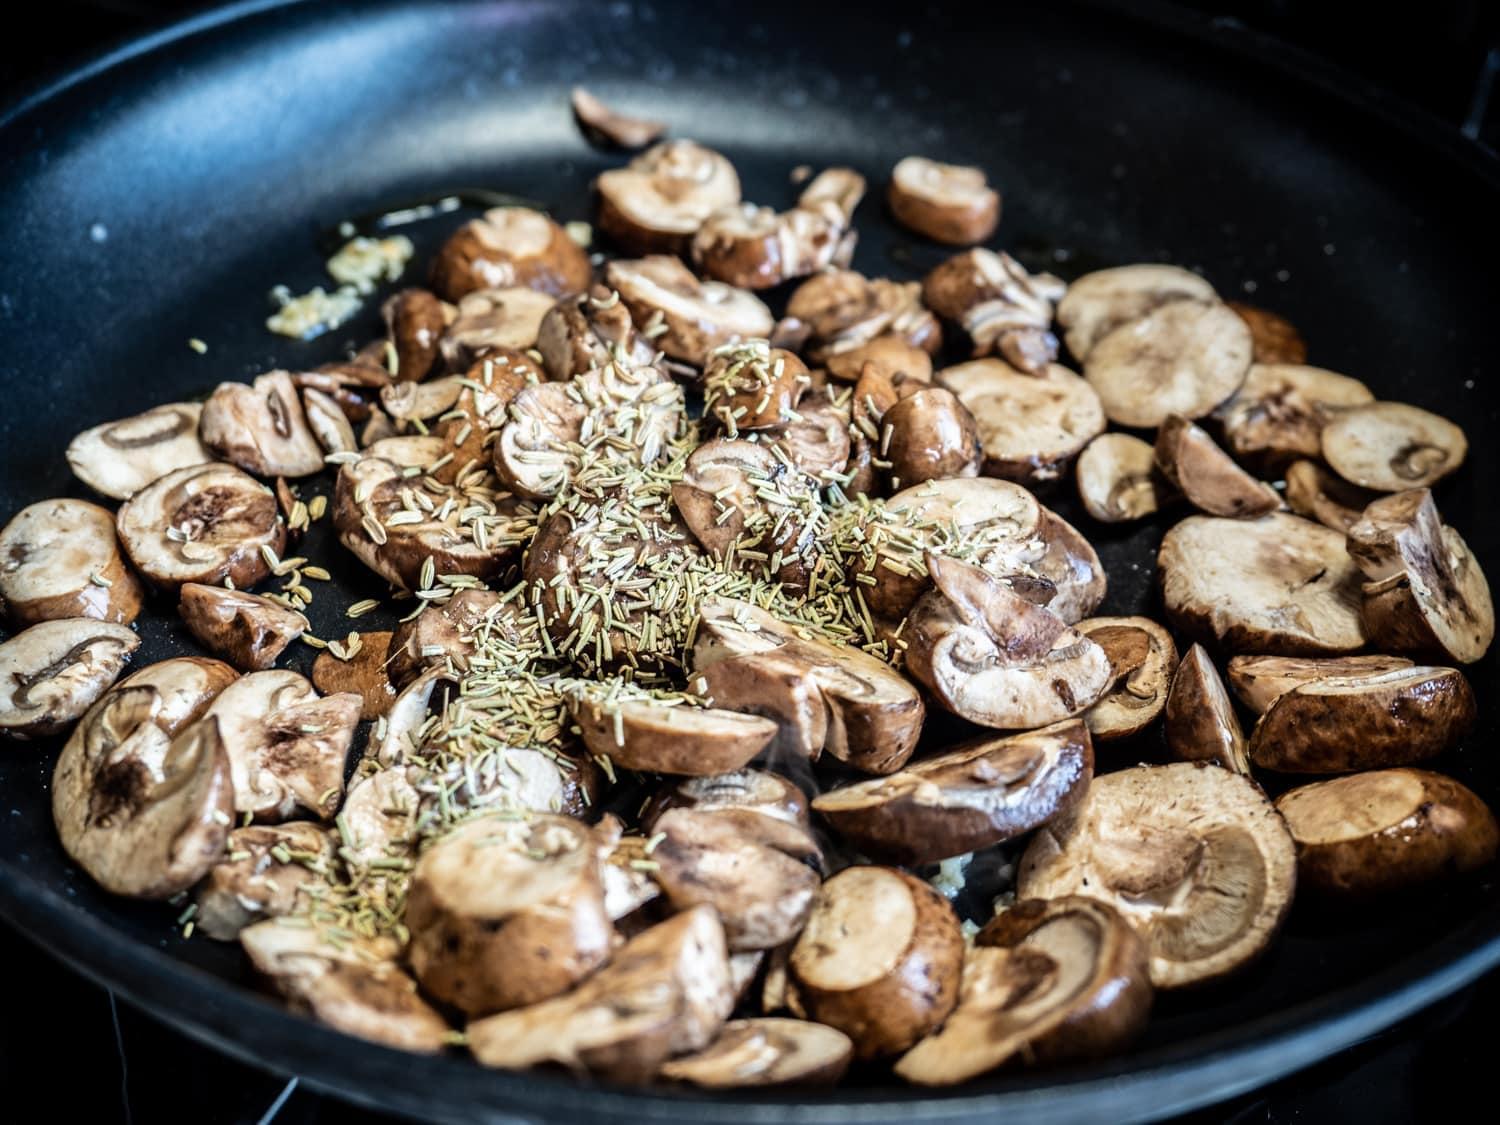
[(506, 912), (1314, 492), (994, 658), (1003, 308), (929, 435), (264, 876), (1206, 475), (354, 986), (363, 673), (766, 1052), (378, 823), (1193, 855), (1258, 680), (186, 685), (755, 790), (984, 792), (1278, 584), (328, 422), (1387, 830), (1116, 479), (1201, 723), (759, 872), (1389, 446), (414, 324), (507, 247), (1046, 981), (948, 203), (588, 331), (1371, 721), (450, 632), (873, 714), (53, 672), (286, 746), (60, 558), (1280, 410), (1184, 358), (1030, 426), (144, 813), (599, 120), (120, 458), (204, 523), (775, 685), (1425, 592), (247, 630), (816, 439), (261, 428), (1097, 303), (657, 202), (489, 319), (752, 386), (666, 991), (685, 317), (879, 959), (1142, 659), (665, 736), (407, 401), (844, 310), (1275, 338), (400, 736)]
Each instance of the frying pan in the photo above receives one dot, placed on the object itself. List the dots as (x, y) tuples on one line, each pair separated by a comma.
[(156, 195)]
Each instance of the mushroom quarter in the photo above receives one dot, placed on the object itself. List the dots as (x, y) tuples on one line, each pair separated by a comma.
[(1201, 722), (1117, 479), (248, 630), (261, 427)]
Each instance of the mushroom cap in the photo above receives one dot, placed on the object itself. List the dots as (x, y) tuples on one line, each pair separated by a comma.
[(118, 459), (590, 330), (415, 321), (248, 630), (1142, 659), (948, 203), (1207, 476), (658, 201), (1390, 446), (1279, 584), (932, 436), (506, 247), (1003, 307), (1275, 338), (363, 673), (493, 319), (1314, 492), (983, 792), (757, 790), (758, 248), (1193, 855), (752, 386), (1281, 408), (892, 355), (815, 439), (251, 883), (765, 1052), (1201, 722), (61, 559), (53, 672), (690, 317), (1116, 478), (261, 427), (653, 735), (844, 310), (1099, 302), (1258, 680), (621, 130), (186, 685)]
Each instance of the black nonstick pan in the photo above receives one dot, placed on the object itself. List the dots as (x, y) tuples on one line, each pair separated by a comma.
[(158, 194)]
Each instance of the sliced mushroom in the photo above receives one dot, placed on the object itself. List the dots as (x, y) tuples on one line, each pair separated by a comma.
[(354, 986), (879, 959), (657, 202), (871, 716), (1206, 475), (53, 672), (506, 912), (1275, 338), (448, 632), (666, 991), (1389, 446), (944, 202), (378, 824), (204, 523), (588, 331), (1425, 593), (1193, 855), (328, 422), (766, 1052), (422, 401), (1201, 723), (286, 745), (1142, 660), (618, 129), (1280, 410), (816, 439), (626, 873), (994, 658), (1258, 680), (754, 790), (144, 813), (843, 310), (1097, 303), (752, 386), (482, 407), (1278, 584), (489, 319), (120, 458), (1371, 721), (508, 247), (352, 383), (1117, 480), (186, 685), (1004, 309), (932, 436), (1314, 492), (685, 317), (60, 558), (415, 321), (265, 875), (758, 872), (364, 673), (1046, 981), (261, 427), (891, 355), (1387, 830), (654, 735), (984, 792), (247, 630)]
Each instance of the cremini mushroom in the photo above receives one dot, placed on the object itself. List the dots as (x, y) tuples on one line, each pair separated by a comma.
[(756, 790), (1275, 338), (891, 356), (625, 870), (1201, 724), (588, 331), (1117, 479), (53, 672), (685, 317), (1389, 446), (363, 671), (203, 523), (506, 912), (352, 383), (1193, 855), (1004, 309), (842, 310), (766, 1052), (752, 386), (264, 875), (405, 402), (815, 439), (415, 321), (1258, 680), (1279, 584), (328, 422), (1046, 981), (879, 959), (1207, 476), (261, 427), (1373, 833), (61, 558), (379, 820), (657, 202), (948, 203), (1097, 303), (1279, 412), (638, 732), (508, 247), (490, 319), (601, 122), (1142, 660), (186, 685), (448, 632), (1314, 492), (118, 459), (247, 630), (929, 435), (986, 791)]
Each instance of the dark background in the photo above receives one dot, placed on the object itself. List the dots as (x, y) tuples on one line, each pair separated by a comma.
[(68, 1053)]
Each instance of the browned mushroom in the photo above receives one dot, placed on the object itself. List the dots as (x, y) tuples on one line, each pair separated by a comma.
[(657, 202), (247, 630), (363, 672), (600, 121), (1314, 492), (186, 686), (843, 310), (1142, 660), (415, 321), (1388, 446), (1097, 303), (944, 202), (448, 632), (1280, 410), (265, 874), (815, 439), (1274, 337), (405, 402), (120, 458), (1117, 480), (590, 330), (891, 356), (328, 422), (1258, 680), (490, 319), (929, 435), (507, 247), (766, 1052), (352, 383), (752, 386), (1004, 309), (1206, 475), (685, 317), (755, 790), (60, 558), (53, 672), (261, 428), (1201, 723), (639, 732)]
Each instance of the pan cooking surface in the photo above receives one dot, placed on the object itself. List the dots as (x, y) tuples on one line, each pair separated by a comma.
[(160, 198)]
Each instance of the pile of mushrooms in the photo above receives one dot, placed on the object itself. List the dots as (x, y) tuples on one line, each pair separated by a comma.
[(684, 707)]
